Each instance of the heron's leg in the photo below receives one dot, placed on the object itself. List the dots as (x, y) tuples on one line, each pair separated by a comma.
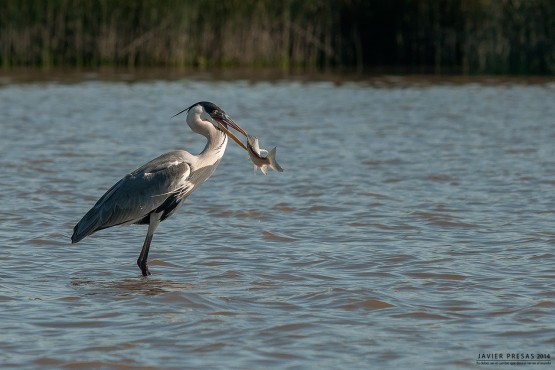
[(152, 225)]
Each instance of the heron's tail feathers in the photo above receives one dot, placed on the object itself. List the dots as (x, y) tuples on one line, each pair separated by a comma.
[(88, 225)]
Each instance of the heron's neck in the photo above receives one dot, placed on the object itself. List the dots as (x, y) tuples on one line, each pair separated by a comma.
[(215, 146)]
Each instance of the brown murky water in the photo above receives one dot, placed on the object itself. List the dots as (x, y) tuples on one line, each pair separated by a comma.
[(413, 227)]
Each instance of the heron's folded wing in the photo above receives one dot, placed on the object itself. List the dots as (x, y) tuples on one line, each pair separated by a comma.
[(136, 195)]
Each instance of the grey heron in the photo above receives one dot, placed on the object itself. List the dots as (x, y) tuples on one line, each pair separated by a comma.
[(154, 191)]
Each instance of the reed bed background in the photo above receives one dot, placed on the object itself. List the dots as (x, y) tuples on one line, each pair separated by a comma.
[(442, 36)]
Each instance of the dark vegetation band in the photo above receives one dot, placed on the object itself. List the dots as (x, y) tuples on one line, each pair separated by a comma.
[(468, 36)]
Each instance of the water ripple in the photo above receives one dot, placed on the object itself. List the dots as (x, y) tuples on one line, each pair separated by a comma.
[(412, 228)]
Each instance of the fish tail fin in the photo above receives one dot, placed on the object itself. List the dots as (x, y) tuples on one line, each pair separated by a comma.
[(273, 163)]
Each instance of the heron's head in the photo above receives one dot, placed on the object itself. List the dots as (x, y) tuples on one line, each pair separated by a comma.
[(210, 112)]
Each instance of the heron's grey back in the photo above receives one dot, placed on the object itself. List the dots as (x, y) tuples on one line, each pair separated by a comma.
[(138, 194)]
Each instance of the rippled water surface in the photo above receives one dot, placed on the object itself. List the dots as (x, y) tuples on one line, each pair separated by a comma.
[(413, 227)]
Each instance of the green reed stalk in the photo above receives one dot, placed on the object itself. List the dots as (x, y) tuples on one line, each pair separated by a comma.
[(469, 36)]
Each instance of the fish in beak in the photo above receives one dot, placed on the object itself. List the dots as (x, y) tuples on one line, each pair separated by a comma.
[(255, 154)]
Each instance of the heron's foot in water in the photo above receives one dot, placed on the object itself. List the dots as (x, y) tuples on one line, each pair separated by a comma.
[(144, 268)]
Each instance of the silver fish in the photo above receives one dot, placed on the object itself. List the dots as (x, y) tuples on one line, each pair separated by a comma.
[(255, 154)]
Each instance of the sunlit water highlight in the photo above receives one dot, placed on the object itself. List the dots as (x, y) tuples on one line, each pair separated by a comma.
[(413, 227)]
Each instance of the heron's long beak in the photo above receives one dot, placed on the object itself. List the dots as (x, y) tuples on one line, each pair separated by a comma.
[(224, 121)]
